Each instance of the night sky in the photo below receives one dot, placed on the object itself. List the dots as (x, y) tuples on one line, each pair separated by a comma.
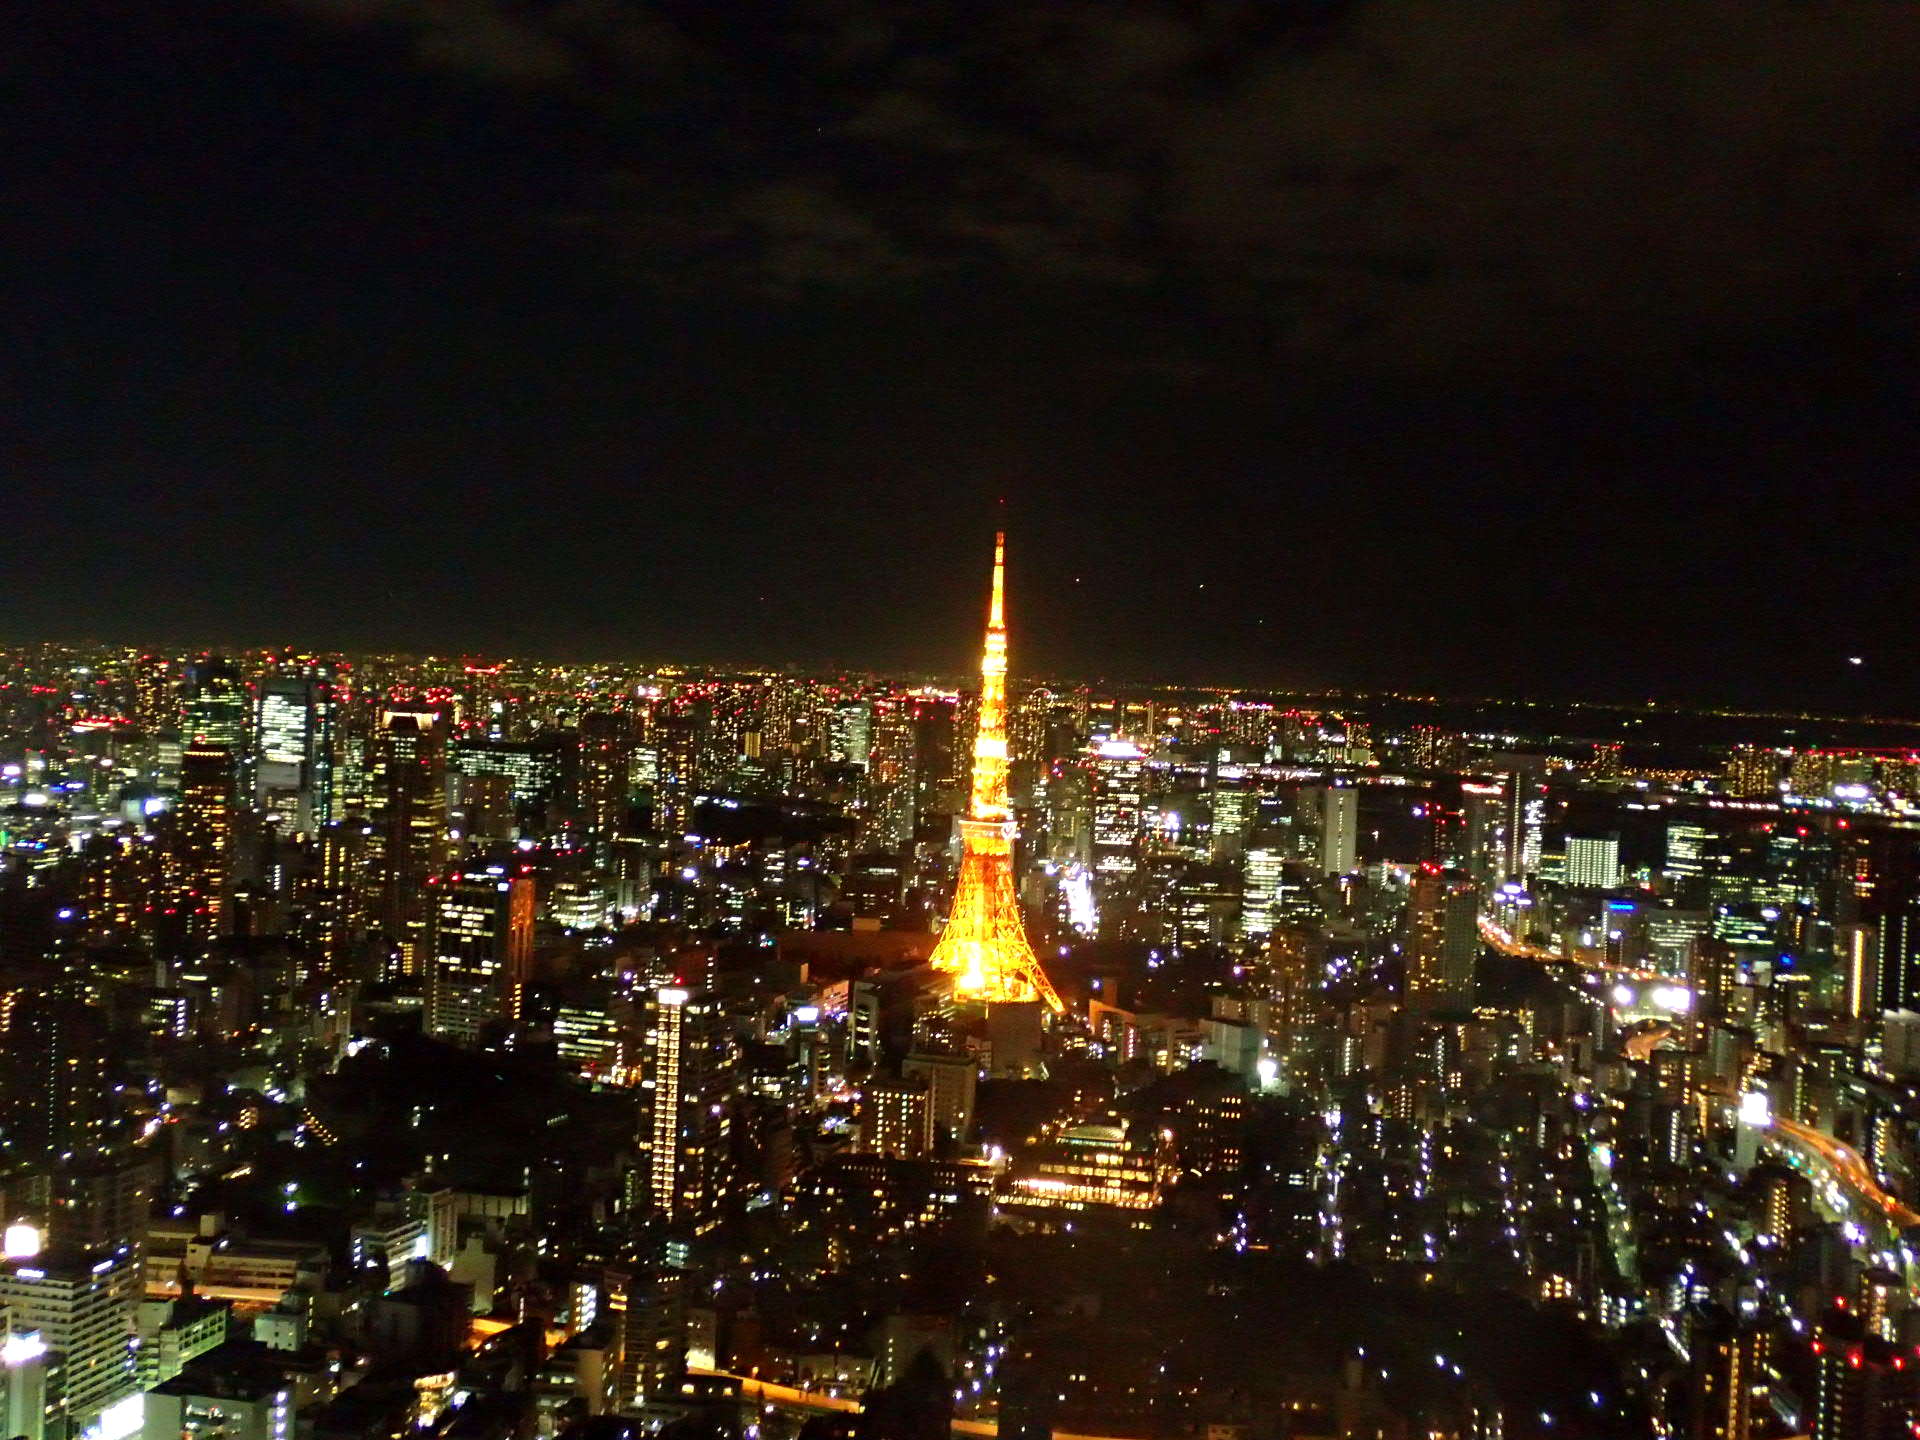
[(1561, 349)]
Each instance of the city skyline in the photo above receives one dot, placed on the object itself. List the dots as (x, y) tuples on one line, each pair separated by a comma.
[(968, 720), (350, 1012), (958, 678)]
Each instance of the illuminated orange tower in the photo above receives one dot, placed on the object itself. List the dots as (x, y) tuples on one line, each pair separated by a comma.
[(984, 946)]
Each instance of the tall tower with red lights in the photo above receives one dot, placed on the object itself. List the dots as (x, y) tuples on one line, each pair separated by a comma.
[(984, 946)]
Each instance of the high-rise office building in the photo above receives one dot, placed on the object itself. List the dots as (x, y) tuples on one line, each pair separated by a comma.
[(1235, 808), (1895, 925), (1593, 861), (1523, 822), (482, 952), (887, 806), (538, 772), (482, 808), (1443, 939), (951, 1081), (1296, 961), (56, 1092), (410, 818), (1119, 799), (1432, 748), (1480, 810), (1856, 950), (337, 900), (606, 752), (1753, 772), (894, 1116), (686, 1077), (936, 743), (100, 1198), (1263, 883), (293, 752), (156, 693), (1713, 972), (1339, 829), (82, 1308), (1687, 849), (850, 732), (647, 1311), (1030, 734), (216, 709), (207, 818)]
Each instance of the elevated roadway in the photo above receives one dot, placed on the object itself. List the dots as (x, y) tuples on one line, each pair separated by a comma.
[(1844, 1164), (792, 1397)]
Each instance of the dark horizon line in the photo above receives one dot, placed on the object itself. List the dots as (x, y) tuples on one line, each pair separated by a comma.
[(820, 669)]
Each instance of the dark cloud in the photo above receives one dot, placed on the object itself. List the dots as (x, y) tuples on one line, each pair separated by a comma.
[(492, 41), (1385, 183), (1605, 176), (1531, 344)]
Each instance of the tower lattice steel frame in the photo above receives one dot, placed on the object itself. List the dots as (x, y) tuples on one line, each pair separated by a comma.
[(984, 946)]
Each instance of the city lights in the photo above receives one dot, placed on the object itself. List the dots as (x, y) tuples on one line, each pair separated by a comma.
[(700, 1016)]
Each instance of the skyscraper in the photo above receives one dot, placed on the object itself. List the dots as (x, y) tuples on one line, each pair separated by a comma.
[(677, 736), (156, 693), (1480, 805), (410, 812), (606, 750), (1265, 873), (984, 946), (216, 712), (1443, 939), (850, 732), (1523, 821), (56, 1094), (482, 951), (1593, 861), (1896, 931), (686, 1078), (1433, 748), (1119, 798), (934, 745), (1235, 808), (1296, 961), (293, 755), (1687, 849), (206, 836), (1753, 771), (1863, 1389), (1339, 829), (1856, 950), (886, 818)]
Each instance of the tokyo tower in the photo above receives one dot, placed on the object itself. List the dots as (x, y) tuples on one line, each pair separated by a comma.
[(984, 946)]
